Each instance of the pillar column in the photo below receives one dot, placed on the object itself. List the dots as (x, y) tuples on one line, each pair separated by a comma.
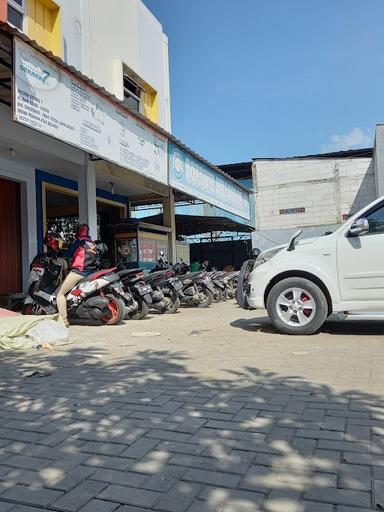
[(87, 196), (169, 221), (378, 158)]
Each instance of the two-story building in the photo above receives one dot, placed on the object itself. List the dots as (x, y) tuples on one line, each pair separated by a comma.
[(119, 45), (85, 127)]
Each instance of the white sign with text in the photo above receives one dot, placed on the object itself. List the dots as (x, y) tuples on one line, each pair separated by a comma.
[(53, 101)]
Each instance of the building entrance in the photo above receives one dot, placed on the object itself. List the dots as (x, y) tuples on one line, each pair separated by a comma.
[(10, 238)]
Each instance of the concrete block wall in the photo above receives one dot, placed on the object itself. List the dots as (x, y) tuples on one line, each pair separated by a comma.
[(328, 189), (357, 184)]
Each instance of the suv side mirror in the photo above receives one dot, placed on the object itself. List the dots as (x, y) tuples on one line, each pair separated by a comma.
[(359, 227)]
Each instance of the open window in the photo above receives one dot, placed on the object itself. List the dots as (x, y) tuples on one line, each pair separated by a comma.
[(140, 96), (132, 93)]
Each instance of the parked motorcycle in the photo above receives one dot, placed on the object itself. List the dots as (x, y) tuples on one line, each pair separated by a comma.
[(230, 282), (96, 297), (161, 263), (166, 290), (197, 289), (139, 293), (181, 267), (220, 290)]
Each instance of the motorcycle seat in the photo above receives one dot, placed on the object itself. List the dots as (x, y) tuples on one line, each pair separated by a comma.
[(128, 272), (154, 275), (100, 273), (190, 275)]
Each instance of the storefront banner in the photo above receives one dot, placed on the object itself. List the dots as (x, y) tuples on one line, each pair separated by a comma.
[(190, 175), (147, 250), (53, 101)]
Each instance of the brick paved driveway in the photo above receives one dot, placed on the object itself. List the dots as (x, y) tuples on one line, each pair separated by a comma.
[(207, 411)]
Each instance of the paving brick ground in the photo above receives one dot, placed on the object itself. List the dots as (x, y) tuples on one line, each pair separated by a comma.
[(218, 413)]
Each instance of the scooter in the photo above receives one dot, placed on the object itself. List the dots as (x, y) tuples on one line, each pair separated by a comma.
[(197, 289), (220, 290), (166, 290), (139, 292), (96, 297), (230, 282), (181, 267)]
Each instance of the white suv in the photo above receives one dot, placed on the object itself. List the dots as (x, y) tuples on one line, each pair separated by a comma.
[(302, 283)]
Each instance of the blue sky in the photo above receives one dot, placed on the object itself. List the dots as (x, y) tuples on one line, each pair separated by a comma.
[(253, 78)]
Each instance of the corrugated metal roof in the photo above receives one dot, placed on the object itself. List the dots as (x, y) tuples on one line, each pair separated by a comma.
[(351, 153), (11, 31), (239, 170), (198, 224)]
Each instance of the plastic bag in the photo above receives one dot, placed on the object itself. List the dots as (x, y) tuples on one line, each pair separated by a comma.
[(48, 331)]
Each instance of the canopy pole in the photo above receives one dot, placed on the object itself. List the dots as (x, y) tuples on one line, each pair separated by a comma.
[(170, 222)]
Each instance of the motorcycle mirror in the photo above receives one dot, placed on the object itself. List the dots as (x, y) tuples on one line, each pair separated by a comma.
[(255, 252)]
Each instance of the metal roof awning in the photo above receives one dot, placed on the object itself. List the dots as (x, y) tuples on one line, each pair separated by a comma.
[(194, 224), (349, 153), (7, 31)]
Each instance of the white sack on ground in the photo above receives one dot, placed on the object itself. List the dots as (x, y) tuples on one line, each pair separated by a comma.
[(14, 331)]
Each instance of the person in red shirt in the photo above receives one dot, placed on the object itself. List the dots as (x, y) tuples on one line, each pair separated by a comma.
[(83, 254)]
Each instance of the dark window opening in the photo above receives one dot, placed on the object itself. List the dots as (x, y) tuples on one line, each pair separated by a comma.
[(132, 94), (15, 17), (16, 11)]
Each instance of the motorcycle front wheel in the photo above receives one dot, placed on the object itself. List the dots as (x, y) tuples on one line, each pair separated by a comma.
[(231, 292), (173, 304), (141, 312), (206, 297), (218, 294), (116, 311)]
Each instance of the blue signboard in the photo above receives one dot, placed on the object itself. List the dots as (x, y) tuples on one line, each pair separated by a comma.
[(195, 178)]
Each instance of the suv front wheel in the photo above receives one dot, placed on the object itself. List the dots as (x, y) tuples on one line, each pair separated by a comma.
[(297, 306)]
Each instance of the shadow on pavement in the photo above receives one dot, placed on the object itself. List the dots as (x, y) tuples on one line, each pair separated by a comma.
[(331, 326), (144, 431)]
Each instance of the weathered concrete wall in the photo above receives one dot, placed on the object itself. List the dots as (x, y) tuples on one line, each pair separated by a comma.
[(325, 190)]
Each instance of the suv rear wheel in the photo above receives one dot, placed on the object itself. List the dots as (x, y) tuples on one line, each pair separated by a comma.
[(297, 306)]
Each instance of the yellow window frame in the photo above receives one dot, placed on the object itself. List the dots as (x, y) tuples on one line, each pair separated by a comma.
[(43, 23)]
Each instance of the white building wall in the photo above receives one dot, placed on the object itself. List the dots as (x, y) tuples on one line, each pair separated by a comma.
[(328, 189), (100, 37), (72, 30)]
